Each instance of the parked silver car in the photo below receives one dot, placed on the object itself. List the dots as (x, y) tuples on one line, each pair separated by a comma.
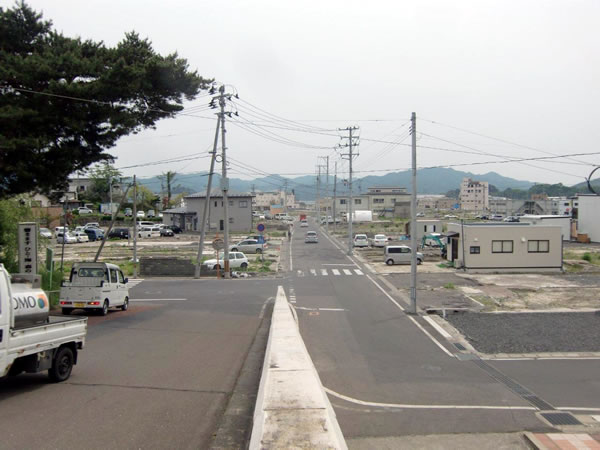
[(248, 246), (400, 254)]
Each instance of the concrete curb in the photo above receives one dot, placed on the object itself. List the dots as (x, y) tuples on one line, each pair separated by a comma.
[(533, 441), (292, 409)]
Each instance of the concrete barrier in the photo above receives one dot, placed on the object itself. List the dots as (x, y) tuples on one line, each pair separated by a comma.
[(292, 409)]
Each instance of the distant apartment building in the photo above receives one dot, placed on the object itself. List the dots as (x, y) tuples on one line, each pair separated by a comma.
[(474, 195), (263, 200), (435, 202), (383, 201)]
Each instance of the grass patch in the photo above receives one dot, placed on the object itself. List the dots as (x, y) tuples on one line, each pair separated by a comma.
[(446, 265), (450, 286), (572, 268)]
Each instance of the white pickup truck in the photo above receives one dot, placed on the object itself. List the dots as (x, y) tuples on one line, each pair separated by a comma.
[(30, 339), (94, 287)]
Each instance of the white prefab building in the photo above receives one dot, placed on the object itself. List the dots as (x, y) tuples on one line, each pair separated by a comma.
[(505, 247), (564, 222), (588, 215), (426, 227)]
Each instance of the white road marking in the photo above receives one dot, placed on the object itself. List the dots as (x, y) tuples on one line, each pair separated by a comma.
[(347, 271), (445, 350), (438, 328), (305, 308), (405, 406), (335, 271), (300, 273), (313, 272), (157, 299), (358, 272), (324, 272), (435, 341), (575, 408)]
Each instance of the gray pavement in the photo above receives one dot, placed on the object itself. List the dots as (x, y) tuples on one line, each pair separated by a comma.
[(157, 376), (386, 377)]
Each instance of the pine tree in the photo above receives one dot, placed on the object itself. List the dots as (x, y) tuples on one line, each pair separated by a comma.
[(65, 101)]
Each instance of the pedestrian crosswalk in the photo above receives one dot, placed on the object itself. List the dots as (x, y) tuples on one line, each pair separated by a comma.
[(133, 282), (328, 272)]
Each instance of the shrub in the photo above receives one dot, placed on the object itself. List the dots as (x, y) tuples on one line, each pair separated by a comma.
[(587, 257)]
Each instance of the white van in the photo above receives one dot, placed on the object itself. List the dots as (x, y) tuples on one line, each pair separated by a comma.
[(95, 287), (399, 254)]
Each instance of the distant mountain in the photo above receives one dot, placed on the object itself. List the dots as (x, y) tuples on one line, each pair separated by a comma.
[(429, 181)]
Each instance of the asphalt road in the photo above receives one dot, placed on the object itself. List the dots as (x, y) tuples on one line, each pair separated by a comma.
[(157, 376), (386, 377)]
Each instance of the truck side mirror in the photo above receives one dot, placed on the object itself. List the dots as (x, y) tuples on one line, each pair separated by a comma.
[(126, 280)]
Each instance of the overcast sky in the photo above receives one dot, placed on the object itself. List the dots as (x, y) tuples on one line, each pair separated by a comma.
[(519, 71)]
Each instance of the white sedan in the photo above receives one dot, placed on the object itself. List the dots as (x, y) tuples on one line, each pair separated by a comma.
[(379, 240), (69, 239), (237, 260), (81, 236)]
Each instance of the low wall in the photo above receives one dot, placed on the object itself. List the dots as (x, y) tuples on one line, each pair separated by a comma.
[(164, 266)]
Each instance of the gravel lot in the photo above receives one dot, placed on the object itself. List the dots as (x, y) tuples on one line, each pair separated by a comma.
[(530, 332)]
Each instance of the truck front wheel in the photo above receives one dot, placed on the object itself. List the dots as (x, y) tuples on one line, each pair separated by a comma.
[(62, 365)]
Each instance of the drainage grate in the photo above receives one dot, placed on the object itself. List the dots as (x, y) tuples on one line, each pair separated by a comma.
[(561, 418), (518, 389), (459, 346)]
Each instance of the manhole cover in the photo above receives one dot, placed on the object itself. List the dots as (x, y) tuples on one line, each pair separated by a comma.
[(561, 418)]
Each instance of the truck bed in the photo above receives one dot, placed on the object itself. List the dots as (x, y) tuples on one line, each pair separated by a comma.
[(58, 330)]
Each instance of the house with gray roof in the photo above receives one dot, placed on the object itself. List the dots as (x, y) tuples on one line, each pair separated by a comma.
[(189, 217)]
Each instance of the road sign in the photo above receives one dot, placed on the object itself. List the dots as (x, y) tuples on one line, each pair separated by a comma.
[(260, 227), (218, 244)]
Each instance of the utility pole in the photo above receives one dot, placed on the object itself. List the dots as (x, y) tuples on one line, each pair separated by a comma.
[(224, 185), (318, 206), (285, 209), (334, 196), (205, 213), (134, 228), (350, 146), (413, 218), (326, 158)]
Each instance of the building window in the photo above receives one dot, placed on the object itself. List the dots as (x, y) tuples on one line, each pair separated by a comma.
[(378, 200), (357, 201), (342, 201), (476, 250), (502, 246), (231, 220), (243, 203), (538, 246), (215, 203)]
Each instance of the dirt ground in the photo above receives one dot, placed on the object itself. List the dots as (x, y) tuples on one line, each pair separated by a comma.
[(578, 288)]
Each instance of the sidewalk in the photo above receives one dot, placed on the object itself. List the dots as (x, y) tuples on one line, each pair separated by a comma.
[(555, 441)]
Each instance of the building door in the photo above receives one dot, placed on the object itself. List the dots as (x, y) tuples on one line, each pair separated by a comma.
[(454, 248), (221, 225)]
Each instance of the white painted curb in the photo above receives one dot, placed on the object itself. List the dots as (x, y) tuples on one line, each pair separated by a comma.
[(292, 409)]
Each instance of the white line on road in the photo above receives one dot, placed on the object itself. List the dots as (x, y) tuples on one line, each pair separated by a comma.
[(313, 272), (347, 271), (413, 320), (577, 408), (358, 272), (438, 328), (404, 406), (324, 272), (435, 341), (335, 271), (157, 299), (291, 260), (300, 273)]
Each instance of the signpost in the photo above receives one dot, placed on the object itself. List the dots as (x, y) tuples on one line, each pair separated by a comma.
[(28, 234), (218, 244), (261, 227)]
